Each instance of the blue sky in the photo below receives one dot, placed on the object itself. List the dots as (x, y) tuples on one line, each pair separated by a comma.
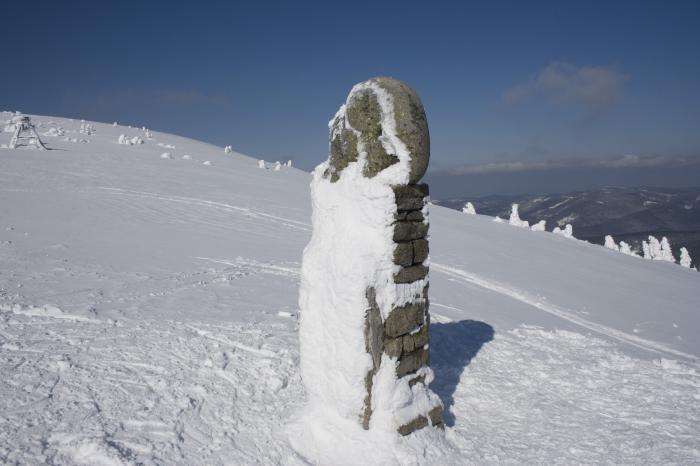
[(509, 87)]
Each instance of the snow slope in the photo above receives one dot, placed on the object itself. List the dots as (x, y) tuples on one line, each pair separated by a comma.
[(148, 316)]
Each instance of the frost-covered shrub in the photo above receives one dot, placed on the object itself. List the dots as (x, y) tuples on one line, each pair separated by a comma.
[(685, 258), (86, 129), (567, 232), (278, 166), (123, 139), (610, 243), (515, 218), (469, 209), (289, 163), (539, 226), (261, 164), (646, 250), (228, 150)]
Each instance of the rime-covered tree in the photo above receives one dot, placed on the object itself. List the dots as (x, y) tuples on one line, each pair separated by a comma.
[(685, 258), (626, 249), (539, 226), (666, 252), (655, 248), (610, 243), (469, 209), (515, 218)]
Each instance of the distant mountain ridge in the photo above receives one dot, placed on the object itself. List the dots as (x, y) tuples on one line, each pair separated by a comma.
[(629, 214)]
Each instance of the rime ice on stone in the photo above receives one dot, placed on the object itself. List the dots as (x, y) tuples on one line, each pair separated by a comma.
[(364, 294)]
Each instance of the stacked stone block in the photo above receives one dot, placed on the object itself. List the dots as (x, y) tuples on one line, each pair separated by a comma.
[(403, 334)]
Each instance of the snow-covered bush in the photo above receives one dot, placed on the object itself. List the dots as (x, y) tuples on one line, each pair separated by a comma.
[(55, 132), (539, 226), (515, 218), (289, 163), (278, 166), (626, 249), (261, 164), (469, 209), (610, 243), (228, 150), (567, 232), (123, 139), (685, 258)]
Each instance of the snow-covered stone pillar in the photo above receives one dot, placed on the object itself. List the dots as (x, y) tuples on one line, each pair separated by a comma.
[(364, 292)]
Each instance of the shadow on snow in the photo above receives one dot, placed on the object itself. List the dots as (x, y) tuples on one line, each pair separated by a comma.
[(452, 347)]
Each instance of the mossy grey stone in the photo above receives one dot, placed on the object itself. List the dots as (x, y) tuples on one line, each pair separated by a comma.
[(364, 115), (374, 333), (411, 362), (411, 274), (403, 319), (408, 231), (413, 341), (410, 197), (420, 251), (403, 254), (414, 425)]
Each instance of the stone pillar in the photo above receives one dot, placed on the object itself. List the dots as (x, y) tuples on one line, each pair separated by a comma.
[(380, 138)]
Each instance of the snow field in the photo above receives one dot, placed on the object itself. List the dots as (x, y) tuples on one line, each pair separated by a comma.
[(148, 316)]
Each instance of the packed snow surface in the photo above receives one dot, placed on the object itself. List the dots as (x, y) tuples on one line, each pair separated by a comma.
[(148, 315)]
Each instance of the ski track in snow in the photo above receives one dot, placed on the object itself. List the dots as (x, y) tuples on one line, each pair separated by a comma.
[(290, 223), (144, 392), (524, 297)]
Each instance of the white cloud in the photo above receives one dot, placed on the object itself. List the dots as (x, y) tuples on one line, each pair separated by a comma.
[(627, 161), (595, 87)]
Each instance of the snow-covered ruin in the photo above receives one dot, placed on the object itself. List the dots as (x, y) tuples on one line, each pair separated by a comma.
[(364, 291), (24, 133)]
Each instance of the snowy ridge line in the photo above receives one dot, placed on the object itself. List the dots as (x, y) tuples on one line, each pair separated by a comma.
[(526, 298), (216, 205)]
